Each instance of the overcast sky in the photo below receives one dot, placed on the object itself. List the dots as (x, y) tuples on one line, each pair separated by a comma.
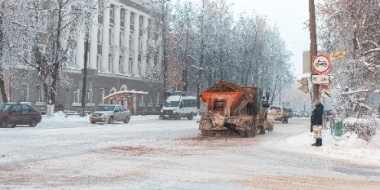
[(289, 16)]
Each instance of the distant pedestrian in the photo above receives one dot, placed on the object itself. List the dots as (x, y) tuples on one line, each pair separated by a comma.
[(316, 122)]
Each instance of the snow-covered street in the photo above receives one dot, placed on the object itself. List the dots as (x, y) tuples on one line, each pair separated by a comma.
[(148, 153)]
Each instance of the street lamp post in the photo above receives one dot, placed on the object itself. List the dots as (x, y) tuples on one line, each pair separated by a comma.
[(198, 84), (304, 105)]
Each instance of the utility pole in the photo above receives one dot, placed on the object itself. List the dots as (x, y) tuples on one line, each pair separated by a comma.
[(83, 99), (165, 46), (313, 45), (2, 75), (201, 59)]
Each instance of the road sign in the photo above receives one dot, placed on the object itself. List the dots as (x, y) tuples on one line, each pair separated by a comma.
[(321, 64), (320, 79), (325, 90), (49, 80)]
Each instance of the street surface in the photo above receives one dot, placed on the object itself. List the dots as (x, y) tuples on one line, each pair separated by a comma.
[(148, 153)]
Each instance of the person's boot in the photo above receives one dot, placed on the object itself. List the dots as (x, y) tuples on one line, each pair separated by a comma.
[(316, 143), (319, 142)]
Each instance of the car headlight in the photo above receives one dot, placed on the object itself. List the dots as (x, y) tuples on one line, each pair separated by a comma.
[(103, 116), (175, 111)]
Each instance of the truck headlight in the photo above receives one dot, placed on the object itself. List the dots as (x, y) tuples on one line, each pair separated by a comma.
[(175, 111), (162, 110)]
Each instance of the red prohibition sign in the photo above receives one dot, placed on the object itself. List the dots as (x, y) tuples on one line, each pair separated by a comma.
[(321, 64)]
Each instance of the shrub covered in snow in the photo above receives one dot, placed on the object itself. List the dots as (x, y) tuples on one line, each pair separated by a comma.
[(364, 128)]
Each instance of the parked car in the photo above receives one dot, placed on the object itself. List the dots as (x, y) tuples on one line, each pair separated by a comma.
[(304, 114), (327, 112), (296, 113), (282, 113), (12, 114), (110, 113)]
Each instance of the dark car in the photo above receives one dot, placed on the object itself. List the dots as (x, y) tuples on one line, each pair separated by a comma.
[(12, 114)]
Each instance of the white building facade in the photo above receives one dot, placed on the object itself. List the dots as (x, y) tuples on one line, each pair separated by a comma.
[(117, 51)]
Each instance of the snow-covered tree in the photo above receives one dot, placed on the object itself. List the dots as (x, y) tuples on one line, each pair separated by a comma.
[(47, 31), (352, 27), (247, 51)]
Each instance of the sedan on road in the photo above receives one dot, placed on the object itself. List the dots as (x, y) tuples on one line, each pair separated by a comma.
[(12, 114), (110, 113)]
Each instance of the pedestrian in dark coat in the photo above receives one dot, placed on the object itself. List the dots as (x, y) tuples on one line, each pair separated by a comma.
[(317, 121)]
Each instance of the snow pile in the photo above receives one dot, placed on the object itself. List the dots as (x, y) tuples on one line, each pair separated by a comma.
[(351, 139), (365, 128), (349, 147)]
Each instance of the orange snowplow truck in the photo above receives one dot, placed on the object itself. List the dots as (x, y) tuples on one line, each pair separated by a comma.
[(234, 107)]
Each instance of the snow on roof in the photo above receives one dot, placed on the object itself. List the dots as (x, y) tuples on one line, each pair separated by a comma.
[(124, 94)]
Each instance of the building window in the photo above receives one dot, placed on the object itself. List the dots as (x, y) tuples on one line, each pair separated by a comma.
[(142, 99), (111, 34), (112, 12), (122, 14), (121, 40), (99, 37), (24, 93), (151, 99), (140, 44), (130, 65), (89, 96), (98, 61), (132, 20), (131, 40), (101, 95), (110, 62), (157, 97), (40, 94), (121, 63), (141, 20), (76, 96)]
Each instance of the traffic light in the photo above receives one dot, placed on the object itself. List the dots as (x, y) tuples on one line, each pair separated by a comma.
[(302, 84)]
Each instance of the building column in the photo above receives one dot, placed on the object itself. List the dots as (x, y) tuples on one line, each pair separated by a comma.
[(79, 58), (116, 40), (94, 37), (144, 46), (127, 28), (105, 39), (135, 66)]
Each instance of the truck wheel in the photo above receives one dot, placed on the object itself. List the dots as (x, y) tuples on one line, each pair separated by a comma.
[(110, 120), (33, 123), (262, 130), (243, 133), (177, 117), (126, 120), (190, 117), (4, 123), (208, 133)]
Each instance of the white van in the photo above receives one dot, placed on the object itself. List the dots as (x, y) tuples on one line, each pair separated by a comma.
[(178, 107)]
